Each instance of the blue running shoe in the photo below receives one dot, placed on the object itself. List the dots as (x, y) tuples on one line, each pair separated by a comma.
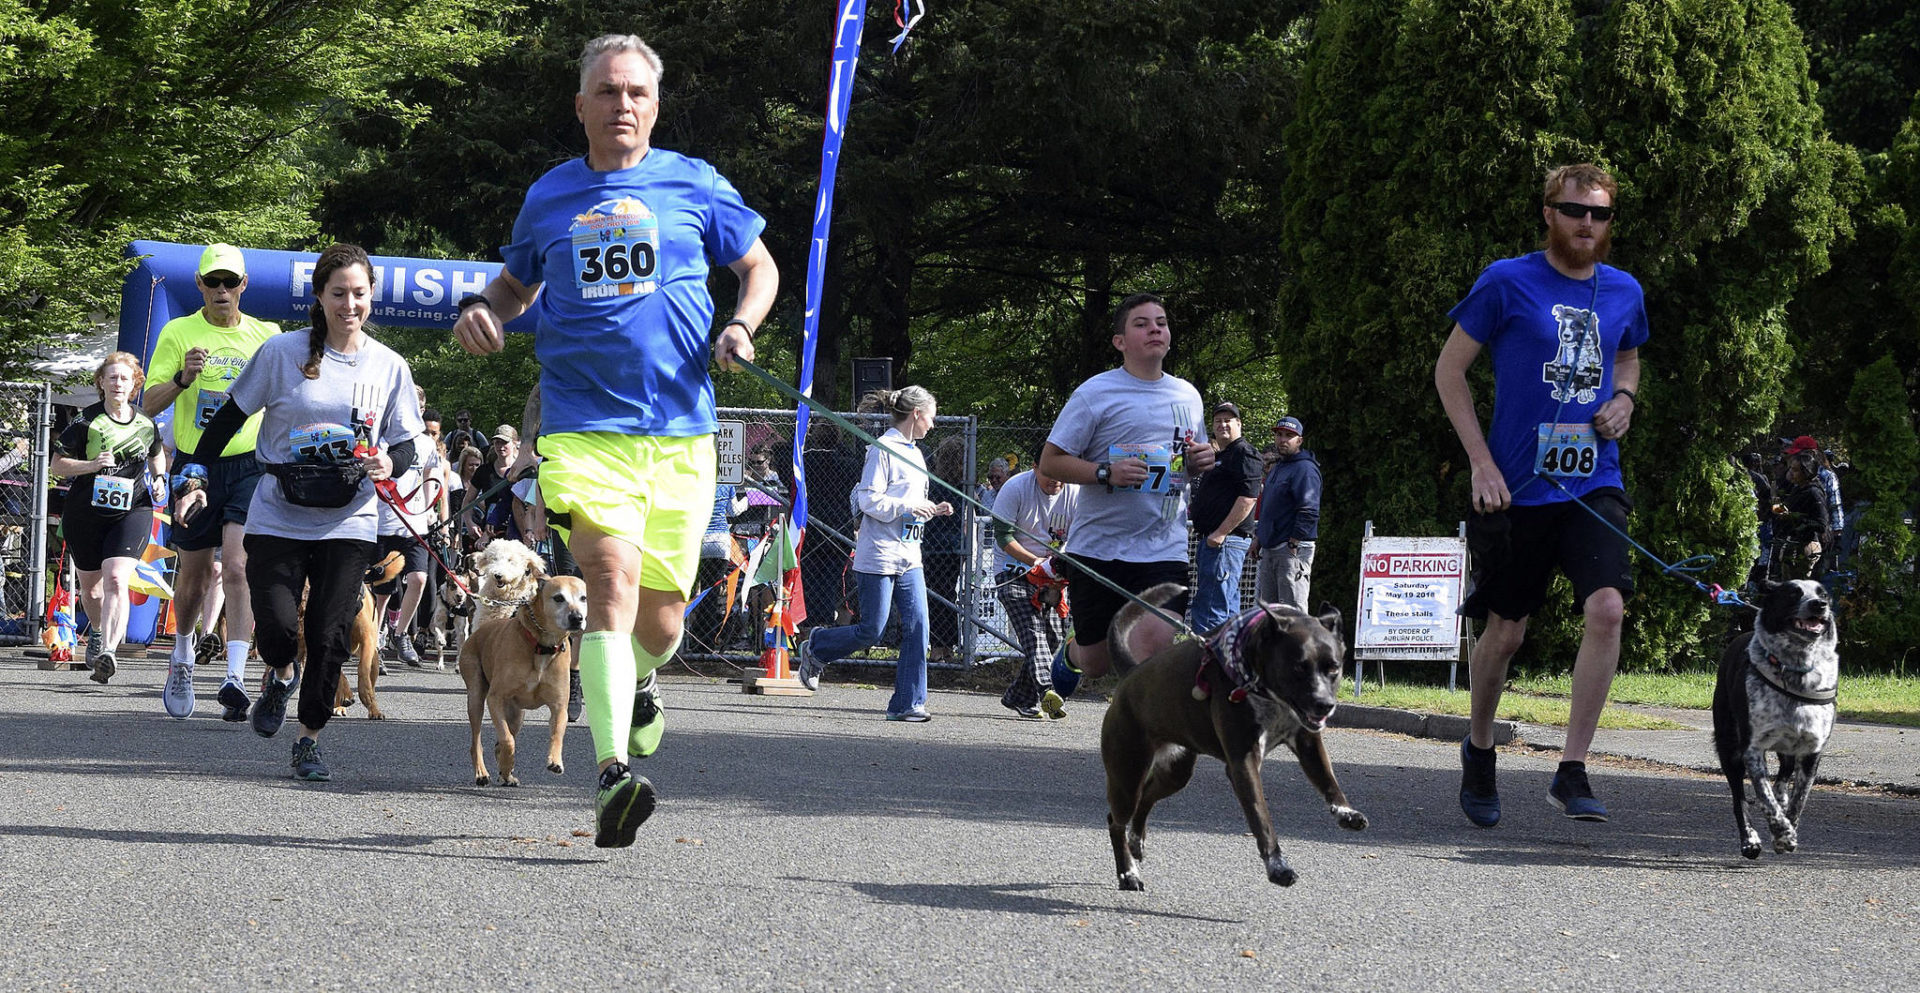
[(1066, 678), (306, 762), (1572, 794), (1478, 796), (235, 700)]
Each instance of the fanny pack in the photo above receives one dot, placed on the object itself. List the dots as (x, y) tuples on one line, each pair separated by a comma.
[(311, 485)]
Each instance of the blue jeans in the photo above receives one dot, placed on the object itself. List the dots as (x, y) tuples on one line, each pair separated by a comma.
[(906, 593), (1216, 594)]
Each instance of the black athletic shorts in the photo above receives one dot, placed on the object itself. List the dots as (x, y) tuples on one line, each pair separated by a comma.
[(413, 552), (1511, 570), (1091, 605), (230, 484), (92, 539)]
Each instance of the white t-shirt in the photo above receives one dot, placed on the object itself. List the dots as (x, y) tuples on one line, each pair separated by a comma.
[(1034, 515), (1114, 416)]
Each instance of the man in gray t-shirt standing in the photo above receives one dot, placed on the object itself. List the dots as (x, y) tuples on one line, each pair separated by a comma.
[(1128, 437)]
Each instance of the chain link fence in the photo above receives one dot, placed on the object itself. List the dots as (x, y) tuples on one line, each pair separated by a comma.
[(966, 624), (26, 417)]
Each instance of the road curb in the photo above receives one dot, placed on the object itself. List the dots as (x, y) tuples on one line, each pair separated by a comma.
[(1414, 724)]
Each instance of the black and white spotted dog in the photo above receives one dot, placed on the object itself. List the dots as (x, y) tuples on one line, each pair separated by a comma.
[(1775, 693)]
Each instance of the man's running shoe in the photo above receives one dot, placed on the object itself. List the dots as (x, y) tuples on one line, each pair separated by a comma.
[(1478, 796), (1573, 795), (649, 722), (306, 761), (93, 650), (178, 693), (270, 707), (624, 803), (103, 668), (234, 699), (1052, 706), (1024, 713), (810, 666), (208, 647), (576, 699)]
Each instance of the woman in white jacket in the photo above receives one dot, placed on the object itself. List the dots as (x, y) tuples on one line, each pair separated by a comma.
[(893, 509)]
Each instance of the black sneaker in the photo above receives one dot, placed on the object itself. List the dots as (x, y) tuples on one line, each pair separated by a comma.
[(306, 761), (1573, 795), (103, 668), (405, 650), (1024, 713), (624, 803), (576, 699), (235, 700), (270, 708), (208, 647), (1478, 795)]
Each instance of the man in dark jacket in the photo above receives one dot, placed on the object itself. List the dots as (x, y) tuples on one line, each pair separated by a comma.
[(1289, 520)]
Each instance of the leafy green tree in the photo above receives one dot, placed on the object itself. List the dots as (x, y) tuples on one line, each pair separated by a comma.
[(182, 120), (1422, 135), (1884, 610)]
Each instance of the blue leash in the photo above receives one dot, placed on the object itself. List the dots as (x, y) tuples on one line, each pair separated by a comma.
[(1687, 569)]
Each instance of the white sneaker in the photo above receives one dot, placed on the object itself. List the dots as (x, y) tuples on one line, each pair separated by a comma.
[(178, 694), (810, 667)]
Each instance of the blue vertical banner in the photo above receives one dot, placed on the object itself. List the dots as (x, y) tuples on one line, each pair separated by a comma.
[(846, 57)]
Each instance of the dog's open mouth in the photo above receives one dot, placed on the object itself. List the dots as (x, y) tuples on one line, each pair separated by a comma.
[(1811, 625), (1315, 716)]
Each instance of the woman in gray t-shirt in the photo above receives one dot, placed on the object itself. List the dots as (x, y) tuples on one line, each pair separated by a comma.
[(339, 413)]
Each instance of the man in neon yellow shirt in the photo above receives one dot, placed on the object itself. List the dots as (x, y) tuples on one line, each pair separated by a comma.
[(194, 365)]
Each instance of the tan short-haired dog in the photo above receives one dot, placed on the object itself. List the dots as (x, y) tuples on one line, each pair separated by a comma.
[(519, 663)]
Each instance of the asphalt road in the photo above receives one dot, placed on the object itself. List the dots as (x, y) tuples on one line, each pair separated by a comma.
[(807, 844)]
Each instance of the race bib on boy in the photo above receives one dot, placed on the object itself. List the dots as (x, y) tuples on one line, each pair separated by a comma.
[(912, 529), (616, 249), (326, 444), (1159, 460), (1566, 450), (113, 492)]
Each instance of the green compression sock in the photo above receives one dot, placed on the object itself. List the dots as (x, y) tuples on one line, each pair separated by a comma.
[(645, 740), (606, 679)]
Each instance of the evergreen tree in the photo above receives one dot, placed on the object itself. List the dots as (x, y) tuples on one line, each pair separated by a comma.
[(1884, 612)]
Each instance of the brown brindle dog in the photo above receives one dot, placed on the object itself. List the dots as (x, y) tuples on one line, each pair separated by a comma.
[(519, 663), (1268, 677)]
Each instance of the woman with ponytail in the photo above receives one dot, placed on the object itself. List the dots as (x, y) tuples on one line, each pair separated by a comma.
[(339, 412), (893, 510)]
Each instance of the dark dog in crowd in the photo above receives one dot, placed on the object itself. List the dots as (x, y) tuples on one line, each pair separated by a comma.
[(1268, 677), (1775, 693)]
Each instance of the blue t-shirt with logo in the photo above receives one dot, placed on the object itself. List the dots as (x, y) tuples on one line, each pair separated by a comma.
[(1553, 342), (623, 258)]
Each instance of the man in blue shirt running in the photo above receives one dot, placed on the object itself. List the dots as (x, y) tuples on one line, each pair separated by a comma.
[(621, 242), (1563, 332)]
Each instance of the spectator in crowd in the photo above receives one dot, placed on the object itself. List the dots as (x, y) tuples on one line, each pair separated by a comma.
[(1289, 526), (1223, 502), (1805, 522)]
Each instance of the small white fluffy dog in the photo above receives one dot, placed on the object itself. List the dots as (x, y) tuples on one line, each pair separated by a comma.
[(510, 573)]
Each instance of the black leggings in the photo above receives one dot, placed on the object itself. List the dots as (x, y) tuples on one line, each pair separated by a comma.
[(278, 571)]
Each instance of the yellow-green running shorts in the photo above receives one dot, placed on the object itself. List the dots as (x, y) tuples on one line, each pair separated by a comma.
[(654, 493)]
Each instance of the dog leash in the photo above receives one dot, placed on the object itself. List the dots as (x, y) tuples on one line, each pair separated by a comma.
[(1179, 624), (1686, 570), (389, 493)]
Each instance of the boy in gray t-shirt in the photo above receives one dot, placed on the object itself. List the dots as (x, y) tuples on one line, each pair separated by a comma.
[(1129, 437)]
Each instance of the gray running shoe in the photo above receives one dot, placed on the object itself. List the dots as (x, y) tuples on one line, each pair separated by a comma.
[(178, 693)]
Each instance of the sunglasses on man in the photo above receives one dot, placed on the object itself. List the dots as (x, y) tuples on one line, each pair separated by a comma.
[(1578, 210), (230, 282)]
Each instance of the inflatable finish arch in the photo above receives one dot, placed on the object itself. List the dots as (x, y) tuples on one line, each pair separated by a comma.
[(407, 292)]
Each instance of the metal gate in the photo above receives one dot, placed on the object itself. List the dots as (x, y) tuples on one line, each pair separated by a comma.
[(26, 418)]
